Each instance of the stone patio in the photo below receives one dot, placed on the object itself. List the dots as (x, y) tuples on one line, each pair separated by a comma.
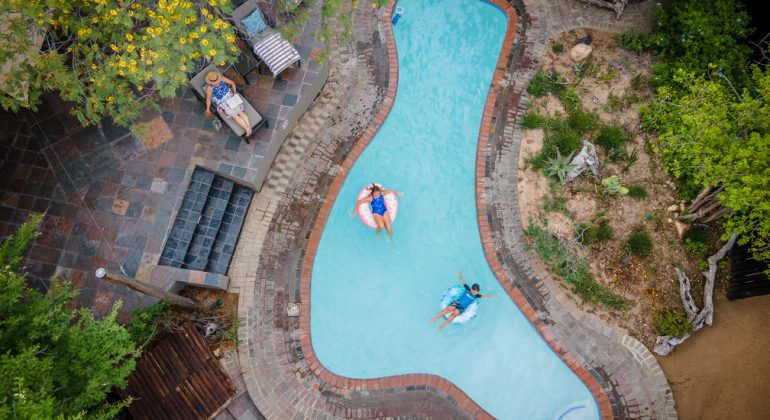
[(110, 195)]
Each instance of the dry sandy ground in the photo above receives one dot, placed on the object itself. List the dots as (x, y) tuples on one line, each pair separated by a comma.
[(723, 371)]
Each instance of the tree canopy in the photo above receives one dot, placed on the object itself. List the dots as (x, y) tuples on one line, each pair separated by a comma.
[(55, 361), (110, 57)]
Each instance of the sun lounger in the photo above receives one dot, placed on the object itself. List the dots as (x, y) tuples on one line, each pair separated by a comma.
[(198, 83), (268, 45)]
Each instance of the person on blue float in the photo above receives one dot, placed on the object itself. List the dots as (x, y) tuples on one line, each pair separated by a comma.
[(380, 212), (465, 300)]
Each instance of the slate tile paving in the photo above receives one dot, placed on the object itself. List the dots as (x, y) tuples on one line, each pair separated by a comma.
[(110, 194)]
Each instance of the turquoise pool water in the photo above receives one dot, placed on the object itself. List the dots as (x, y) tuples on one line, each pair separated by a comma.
[(370, 300)]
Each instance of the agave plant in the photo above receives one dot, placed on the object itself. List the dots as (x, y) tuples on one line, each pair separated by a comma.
[(613, 185), (559, 166)]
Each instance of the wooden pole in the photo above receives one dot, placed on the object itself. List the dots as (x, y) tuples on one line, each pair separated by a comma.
[(150, 290)]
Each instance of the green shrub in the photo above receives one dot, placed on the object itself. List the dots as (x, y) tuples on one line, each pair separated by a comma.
[(570, 99), (585, 233), (581, 121), (558, 137), (672, 322), (637, 191), (532, 120), (612, 139), (633, 41), (603, 231), (638, 82), (639, 243), (544, 83), (559, 166), (147, 323), (558, 48), (586, 68), (572, 268), (696, 240)]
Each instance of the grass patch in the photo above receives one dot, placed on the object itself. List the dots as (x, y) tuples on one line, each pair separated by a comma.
[(637, 191), (556, 203), (639, 243), (544, 83), (612, 139), (572, 268), (531, 120), (570, 99), (558, 48), (558, 136), (603, 231), (582, 122)]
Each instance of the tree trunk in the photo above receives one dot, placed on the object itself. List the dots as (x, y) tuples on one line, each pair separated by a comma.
[(616, 5), (665, 344), (153, 291)]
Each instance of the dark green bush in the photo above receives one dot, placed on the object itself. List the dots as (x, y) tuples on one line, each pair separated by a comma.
[(698, 35), (633, 41), (581, 121), (604, 232), (639, 243), (558, 48), (544, 83), (696, 240), (637, 191), (672, 322), (532, 120), (570, 99), (612, 139), (147, 323)]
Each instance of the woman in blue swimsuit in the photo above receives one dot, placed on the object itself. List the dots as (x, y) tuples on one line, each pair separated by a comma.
[(461, 304), (219, 89), (379, 211)]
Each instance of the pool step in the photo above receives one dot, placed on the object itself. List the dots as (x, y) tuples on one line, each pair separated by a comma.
[(208, 224)]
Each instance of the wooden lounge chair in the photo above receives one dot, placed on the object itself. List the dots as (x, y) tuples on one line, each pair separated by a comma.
[(197, 84), (267, 44)]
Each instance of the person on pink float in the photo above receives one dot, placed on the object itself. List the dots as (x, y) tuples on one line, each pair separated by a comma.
[(380, 213)]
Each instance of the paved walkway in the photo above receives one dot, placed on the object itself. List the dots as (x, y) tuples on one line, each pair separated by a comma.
[(267, 265)]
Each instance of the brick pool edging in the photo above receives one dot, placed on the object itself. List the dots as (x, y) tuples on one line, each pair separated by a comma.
[(428, 381)]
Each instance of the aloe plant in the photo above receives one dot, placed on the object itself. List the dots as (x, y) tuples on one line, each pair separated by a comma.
[(613, 185), (559, 166)]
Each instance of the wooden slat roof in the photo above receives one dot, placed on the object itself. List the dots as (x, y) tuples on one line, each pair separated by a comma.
[(178, 378)]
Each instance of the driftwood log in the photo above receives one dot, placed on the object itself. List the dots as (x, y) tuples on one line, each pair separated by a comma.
[(666, 343), (706, 206), (586, 159), (618, 6)]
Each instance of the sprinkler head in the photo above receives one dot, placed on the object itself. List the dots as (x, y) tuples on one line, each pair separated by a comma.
[(220, 302)]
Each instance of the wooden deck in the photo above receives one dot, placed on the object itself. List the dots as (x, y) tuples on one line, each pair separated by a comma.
[(178, 378)]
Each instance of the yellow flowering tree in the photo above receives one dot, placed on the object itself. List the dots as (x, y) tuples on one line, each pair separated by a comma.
[(109, 57)]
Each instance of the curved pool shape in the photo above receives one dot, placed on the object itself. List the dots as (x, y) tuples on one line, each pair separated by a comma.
[(370, 300)]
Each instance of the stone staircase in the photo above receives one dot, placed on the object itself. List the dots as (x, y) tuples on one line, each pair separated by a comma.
[(207, 224)]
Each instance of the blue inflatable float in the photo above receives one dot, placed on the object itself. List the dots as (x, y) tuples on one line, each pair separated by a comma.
[(451, 295)]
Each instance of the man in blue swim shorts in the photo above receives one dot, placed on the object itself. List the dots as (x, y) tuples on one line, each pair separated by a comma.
[(462, 303)]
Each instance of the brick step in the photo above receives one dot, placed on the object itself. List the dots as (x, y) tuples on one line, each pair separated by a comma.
[(229, 230), (187, 218), (197, 255)]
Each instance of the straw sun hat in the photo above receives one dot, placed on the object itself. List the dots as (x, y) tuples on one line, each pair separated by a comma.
[(212, 77)]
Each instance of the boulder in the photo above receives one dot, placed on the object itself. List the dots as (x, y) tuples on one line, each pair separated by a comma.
[(580, 52)]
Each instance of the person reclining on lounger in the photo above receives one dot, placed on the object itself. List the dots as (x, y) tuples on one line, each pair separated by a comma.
[(462, 303), (220, 90)]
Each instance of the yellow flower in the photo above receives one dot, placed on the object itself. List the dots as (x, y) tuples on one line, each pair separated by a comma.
[(182, 40), (148, 62), (114, 12), (233, 49), (230, 38), (130, 48), (114, 47), (95, 20), (202, 28), (204, 42), (139, 88), (212, 2), (182, 68), (129, 37), (93, 66), (160, 70), (212, 52)]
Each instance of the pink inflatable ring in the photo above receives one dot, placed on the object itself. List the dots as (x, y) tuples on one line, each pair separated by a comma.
[(365, 210)]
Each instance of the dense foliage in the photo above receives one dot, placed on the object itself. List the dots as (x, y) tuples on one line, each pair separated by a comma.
[(711, 112), (673, 323), (109, 58), (55, 361)]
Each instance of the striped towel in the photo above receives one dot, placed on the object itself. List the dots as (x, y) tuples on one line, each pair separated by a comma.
[(276, 52)]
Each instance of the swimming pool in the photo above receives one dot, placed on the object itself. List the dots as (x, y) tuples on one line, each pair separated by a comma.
[(370, 300)]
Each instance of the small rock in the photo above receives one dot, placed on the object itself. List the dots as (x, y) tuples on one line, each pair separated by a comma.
[(580, 52), (673, 207), (681, 228), (669, 221), (626, 259), (587, 40), (216, 352), (681, 206)]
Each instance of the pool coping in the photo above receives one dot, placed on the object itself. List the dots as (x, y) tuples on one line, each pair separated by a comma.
[(486, 129)]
